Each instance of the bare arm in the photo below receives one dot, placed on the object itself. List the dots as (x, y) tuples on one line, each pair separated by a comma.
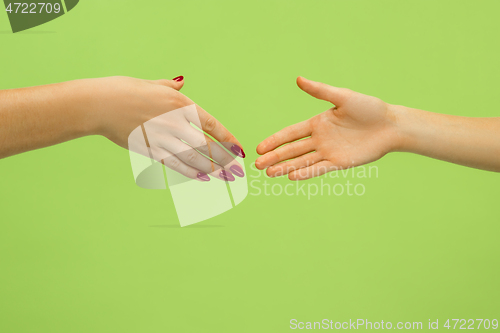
[(473, 142), (360, 129), (32, 118)]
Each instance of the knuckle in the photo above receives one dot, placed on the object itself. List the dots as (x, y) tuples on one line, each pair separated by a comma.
[(227, 138), (179, 103), (191, 156), (175, 100), (379, 103), (274, 139), (204, 149), (277, 155), (210, 124), (202, 145), (172, 162)]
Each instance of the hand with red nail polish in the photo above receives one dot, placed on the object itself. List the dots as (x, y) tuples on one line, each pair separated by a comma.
[(178, 145), (114, 107)]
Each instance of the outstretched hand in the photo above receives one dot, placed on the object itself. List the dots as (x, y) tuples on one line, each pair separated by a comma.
[(359, 129), (122, 104)]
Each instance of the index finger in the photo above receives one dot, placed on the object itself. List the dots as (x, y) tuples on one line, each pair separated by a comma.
[(288, 134), (212, 126)]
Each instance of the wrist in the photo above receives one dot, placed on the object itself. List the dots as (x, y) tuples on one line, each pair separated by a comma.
[(402, 127)]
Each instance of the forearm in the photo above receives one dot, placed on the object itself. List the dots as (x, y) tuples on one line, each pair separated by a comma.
[(37, 117), (473, 142)]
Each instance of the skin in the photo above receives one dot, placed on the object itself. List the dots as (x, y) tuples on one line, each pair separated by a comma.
[(37, 117), (360, 129)]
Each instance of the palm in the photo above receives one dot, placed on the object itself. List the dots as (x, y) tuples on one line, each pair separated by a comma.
[(357, 131)]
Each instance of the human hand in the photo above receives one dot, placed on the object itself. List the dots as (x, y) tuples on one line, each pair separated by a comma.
[(359, 129), (121, 104)]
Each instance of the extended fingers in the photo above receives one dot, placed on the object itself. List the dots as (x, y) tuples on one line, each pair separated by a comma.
[(208, 147), (173, 162), (212, 126), (286, 152), (287, 167), (193, 158), (288, 134)]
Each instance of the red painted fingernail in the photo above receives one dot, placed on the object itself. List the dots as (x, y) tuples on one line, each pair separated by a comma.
[(238, 151), (179, 78), (227, 176), (203, 176), (237, 171)]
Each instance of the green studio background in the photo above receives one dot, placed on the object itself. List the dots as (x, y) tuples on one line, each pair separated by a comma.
[(83, 249)]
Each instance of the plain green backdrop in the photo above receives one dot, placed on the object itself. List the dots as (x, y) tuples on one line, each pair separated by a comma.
[(83, 249)]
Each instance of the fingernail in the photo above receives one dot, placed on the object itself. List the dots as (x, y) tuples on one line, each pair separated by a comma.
[(179, 78), (203, 176), (237, 171), (238, 151), (227, 176)]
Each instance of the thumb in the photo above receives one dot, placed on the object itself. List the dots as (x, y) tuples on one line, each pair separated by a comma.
[(176, 83), (337, 96)]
